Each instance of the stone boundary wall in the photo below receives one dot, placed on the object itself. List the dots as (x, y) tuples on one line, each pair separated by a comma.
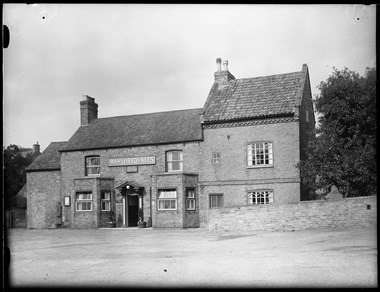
[(342, 213)]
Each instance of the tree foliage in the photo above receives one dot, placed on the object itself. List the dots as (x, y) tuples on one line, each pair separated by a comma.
[(342, 151), (15, 165)]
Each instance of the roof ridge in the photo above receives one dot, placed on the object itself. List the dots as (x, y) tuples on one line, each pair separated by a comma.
[(151, 113), (281, 74)]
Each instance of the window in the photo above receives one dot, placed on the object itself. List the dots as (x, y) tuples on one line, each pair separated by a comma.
[(307, 116), (167, 200), (105, 201), (260, 197), (92, 165), (216, 200), (84, 201), (260, 154), (216, 158), (174, 160), (190, 199)]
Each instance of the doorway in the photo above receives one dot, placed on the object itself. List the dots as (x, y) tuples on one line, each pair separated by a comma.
[(133, 209)]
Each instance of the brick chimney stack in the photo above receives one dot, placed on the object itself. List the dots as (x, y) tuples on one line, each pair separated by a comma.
[(36, 148), (88, 110), (222, 77)]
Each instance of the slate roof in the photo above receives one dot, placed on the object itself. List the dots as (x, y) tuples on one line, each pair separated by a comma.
[(138, 130), (266, 96), (49, 159)]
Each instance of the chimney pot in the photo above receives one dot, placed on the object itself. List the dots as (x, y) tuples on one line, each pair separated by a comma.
[(218, 64), (225, 65)]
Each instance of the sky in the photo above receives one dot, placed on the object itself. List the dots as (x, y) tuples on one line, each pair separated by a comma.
[(142, 58)]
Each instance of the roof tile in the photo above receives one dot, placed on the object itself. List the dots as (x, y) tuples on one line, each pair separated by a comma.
[(49, 159), (134, 130), (254, 97)]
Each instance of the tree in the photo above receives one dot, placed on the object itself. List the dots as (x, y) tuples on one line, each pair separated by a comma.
[(342, 150), (14, 172)]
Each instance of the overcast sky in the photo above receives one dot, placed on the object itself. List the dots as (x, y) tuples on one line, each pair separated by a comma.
[(135, 58)]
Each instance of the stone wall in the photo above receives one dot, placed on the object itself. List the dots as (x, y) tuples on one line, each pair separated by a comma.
[(348, 212)]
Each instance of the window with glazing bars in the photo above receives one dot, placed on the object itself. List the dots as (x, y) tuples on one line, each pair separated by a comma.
[(216, 200), (105, 201), (260, 154), (84, 201), (190, 199), (92, 165), (174, 160), (167, 200), (216, 158), (260, 197)]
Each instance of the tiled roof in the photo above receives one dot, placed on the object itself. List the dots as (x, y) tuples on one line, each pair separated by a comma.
[(134, 130), (255, 97), (49, 159)]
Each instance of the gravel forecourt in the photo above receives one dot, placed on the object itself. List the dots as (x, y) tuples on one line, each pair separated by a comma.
[(184, 258)]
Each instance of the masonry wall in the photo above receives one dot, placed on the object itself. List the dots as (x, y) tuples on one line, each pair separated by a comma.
[(73, 167), (343, 213), (43, 195), (234, 179), (167, 218)]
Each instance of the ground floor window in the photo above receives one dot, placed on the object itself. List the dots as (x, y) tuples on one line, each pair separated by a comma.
[(105, 201), (260, 197), (84, 201), (216, 200), (167, 199), (190, 199)]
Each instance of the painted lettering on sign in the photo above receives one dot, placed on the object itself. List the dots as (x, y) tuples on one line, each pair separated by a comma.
[(132, 161)]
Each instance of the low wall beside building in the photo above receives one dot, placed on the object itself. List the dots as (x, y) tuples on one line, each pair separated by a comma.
[(342, 213)]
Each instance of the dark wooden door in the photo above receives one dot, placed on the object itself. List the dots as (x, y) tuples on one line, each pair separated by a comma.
[(133, 208)]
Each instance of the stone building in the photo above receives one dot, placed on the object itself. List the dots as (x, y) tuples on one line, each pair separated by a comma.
[(241, 148)]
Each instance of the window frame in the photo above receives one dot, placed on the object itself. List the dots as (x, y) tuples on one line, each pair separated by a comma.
[(81, 201), (216, 158), (167, 199), (266, 201), (218, 195), (167, 162), (87, 166), (102, 200), (190, 199), (255, 158)]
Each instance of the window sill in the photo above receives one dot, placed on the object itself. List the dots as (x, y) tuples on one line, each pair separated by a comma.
[(260, 166)]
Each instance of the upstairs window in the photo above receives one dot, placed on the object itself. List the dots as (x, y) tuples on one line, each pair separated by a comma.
[(216, 158), (84, 201), (307, 116), (260, 154), (260, 197), (105, 201), (92, 165), (174, 160)]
